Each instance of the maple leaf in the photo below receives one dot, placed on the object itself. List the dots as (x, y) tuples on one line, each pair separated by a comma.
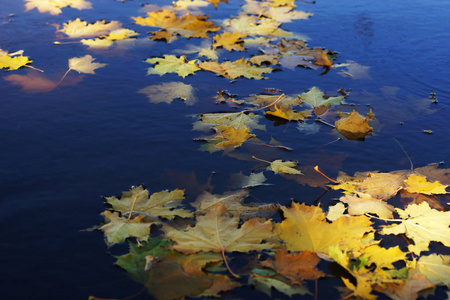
[(160, 204), (235, 69), (290, 61), (286, 167), (230, 136), (287, 113), (283, 14), (239, 180), (264, 58), (406, 291), (253, 25), (216, 231), (220, 283), (13, 63), (237, 120), (295, 267), (419, 184), (360, 203), (265, 281), (84, 64), (81, 29), (354, 126), (169, 91), (382, 257), (436, 267), (117, 229), (233, 201), (172, 64), (314, 97), (306, 228), (354, 70), (54, 7), (422, 224), (187, 25), (229, 41)]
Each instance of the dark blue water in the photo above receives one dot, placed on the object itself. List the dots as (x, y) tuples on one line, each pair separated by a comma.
[(62, 150)]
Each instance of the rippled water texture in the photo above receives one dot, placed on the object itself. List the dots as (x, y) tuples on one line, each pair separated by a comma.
[(61, 151)]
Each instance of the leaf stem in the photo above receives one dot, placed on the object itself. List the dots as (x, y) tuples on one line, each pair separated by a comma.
[(34, 68), (222, 251), (266, 161), (316, 168), (62, 78), (323, 122), (132, 207), (275, 146)]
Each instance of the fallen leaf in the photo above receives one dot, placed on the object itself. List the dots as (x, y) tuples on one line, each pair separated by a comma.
[(81, 29), (220, 283), (84, 64), (239, 180), (117, 229), (253, 25), (54, 7), (315, 98), (287, 113), (436, 267), (169, 91), (13, 63), (422, 224), (279, 166), (264, 58), (359, 204), (266, 283), (229, 136), (282, 14), (172, 64), (235, 69), (216, 231), (419, 184), (160, 204), (306, 228), (295, 267), (187, 25), (354, 126), (229, 41), (407, 291)]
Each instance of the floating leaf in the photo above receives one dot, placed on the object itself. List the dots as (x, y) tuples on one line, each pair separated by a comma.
[(160, 204), (169, 91), (54, 7), (81, 29), (172, 64), (13, 63), (354, 126), (279, 166), (229, 41), (84, 64), (315, 98), (422, 224), (235, 69), (419, 184)]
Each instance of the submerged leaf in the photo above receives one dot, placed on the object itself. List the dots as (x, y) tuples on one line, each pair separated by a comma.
[(169, 91), (314, 97)]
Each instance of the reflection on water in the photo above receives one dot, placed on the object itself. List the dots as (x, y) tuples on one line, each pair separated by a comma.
[(63, 148)]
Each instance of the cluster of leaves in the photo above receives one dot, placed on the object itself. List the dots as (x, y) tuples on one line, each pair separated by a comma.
[(191, 256), (192, 253)]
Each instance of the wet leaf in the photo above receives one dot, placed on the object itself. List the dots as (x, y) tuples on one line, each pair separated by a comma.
[(187, 25), (235, 69), (81, 29), (172, 64), (422, 224), (169, 91), (253, 25), (220, 283), (84, 64), (287, 113), (216, 231), (265, 285), (283, 14), (54, 7), (354, 126), (239, 180), (407, 291), (162, 204), (306, 228), (419, 184), (295, 267), (13, 63), (315, 98), (229, 41), (117, 228), (436, 267), (279, 166), (359, 204)]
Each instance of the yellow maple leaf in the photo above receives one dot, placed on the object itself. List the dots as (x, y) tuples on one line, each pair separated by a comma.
[(235, 69), (187, 25), (253, 25), (13, 63), (97, 43), (287, 113), (359, 204), (306, 228), (422, 224), (54, 7), (216, 231), (436, 267), (354, 126), (158, 204), (229, 41), (81, 29), (419, 184), (286, 167), (230, 136), (84, 64), (172, 64)]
